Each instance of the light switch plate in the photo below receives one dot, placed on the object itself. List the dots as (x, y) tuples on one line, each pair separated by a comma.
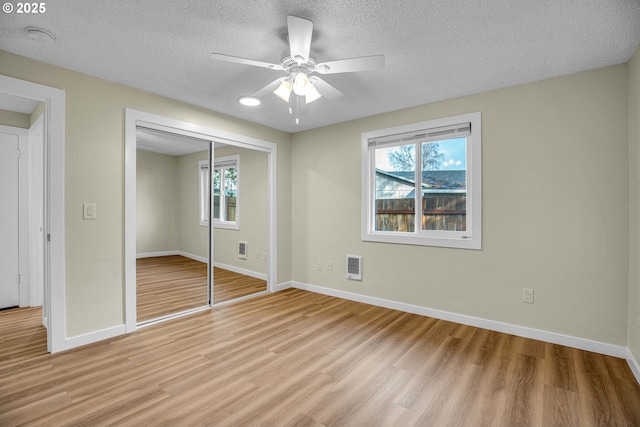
[(88, 211)]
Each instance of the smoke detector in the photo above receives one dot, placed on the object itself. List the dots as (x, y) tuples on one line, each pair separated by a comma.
[(39, 34)]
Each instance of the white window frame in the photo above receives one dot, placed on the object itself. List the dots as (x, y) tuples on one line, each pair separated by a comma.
[(205, 180), (471, 238), (206, 191)]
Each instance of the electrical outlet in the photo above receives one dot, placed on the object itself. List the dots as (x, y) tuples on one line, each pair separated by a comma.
[(258, 254), (329, 265), (319, 265), (527, 295), (264, 256)]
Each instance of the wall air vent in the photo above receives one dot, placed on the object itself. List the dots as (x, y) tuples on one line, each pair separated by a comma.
[(354, 267), (242, 250)]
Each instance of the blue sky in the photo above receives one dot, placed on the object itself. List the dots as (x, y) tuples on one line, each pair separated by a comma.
[(454, 154), (453, 150)]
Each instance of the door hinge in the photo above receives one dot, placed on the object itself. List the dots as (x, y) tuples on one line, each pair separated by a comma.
[(48, 237), (18, 150), (18, 278)]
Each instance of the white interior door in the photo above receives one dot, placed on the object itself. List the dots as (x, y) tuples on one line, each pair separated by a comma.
[(9, 285)]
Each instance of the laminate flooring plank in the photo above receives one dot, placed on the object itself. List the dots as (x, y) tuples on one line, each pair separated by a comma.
[(171, 284), (296, 358)]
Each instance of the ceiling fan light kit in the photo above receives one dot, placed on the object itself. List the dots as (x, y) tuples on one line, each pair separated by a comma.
[(299, 67), (284, 90)]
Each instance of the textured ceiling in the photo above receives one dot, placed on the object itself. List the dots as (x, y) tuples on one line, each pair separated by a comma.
[(434, 50)]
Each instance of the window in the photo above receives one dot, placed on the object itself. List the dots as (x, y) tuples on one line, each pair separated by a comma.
[(421, 183), (224, 190)]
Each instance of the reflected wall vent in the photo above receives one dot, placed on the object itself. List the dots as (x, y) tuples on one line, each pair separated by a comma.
[(242, 250), (354, 267)]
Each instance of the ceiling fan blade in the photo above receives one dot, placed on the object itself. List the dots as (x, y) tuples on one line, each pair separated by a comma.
[(364, 63), (325, 89), (245, 61), (269, 88), (300, 33)]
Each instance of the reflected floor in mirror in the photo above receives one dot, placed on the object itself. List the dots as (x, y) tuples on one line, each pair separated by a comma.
[(170, 284)]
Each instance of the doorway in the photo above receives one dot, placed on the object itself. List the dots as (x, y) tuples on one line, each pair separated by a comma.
[(53, 262), (137, 119)]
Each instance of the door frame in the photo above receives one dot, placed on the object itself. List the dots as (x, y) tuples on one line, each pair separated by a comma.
[(133, 118), (54, 298)]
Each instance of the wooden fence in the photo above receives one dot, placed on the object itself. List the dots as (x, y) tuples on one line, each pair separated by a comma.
[(439, 212)]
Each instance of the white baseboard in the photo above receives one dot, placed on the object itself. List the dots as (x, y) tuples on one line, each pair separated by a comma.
[(154, 254), (192, 256), (261, 276), (95, 336), (521, 331), (283, 286), (634, 365), (169, 253)]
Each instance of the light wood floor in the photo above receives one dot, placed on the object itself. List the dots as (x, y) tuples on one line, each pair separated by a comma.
[(171, 284), (295, 358), (228, 285)]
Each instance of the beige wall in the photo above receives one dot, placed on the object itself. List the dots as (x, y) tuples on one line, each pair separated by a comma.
[(11, 118), (94, 172), (253, 212), (37, 112), (156, 202), (634, 205), (555, 197), (193, 237)]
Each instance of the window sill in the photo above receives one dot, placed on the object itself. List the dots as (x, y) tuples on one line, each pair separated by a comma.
[(403, 239), (226, 225)]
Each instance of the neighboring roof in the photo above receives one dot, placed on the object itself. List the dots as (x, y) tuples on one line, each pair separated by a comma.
[(432, 181)]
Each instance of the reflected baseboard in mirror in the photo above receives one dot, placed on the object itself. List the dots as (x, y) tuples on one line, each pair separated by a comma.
[(174, 283)]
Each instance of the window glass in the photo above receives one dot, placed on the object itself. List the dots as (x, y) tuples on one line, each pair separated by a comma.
[(230, 185), (216, 193), (394, 188), (444, 185)]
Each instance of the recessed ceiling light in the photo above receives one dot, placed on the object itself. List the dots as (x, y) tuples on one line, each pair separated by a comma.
[(39, 34), (249, 101)]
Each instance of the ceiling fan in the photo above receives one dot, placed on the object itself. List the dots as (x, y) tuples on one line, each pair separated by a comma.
[(300, 67)]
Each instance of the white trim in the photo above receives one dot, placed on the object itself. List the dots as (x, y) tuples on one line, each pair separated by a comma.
[(54, 307), (521, 331), (203, 194), (171, 253), (193, 256), (161, 319), (155, 254), (283, 286), (633, 365), (240, 270), (36, 212), (243, 298), (94, 336)]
